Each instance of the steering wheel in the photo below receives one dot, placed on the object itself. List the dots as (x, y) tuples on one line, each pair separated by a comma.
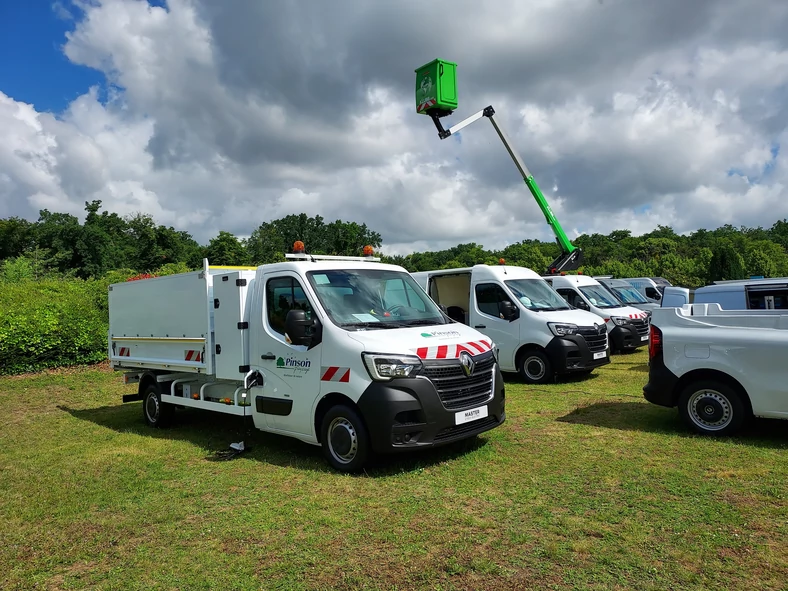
[(391, 309)]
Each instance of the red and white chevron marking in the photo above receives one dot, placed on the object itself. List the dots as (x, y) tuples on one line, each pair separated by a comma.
[(426, 104), (333, 373), (640, 315), (124, 352), (192, 355), (453, 351)]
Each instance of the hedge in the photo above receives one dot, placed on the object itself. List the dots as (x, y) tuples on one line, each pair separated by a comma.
[(51, 323)]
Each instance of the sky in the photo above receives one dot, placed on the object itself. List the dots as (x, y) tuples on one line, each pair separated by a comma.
[(215, 116)]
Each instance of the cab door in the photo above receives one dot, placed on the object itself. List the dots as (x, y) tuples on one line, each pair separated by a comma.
[(486, 317), (291, 373)]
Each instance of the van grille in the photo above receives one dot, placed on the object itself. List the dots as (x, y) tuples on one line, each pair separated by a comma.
[(641, 326), (595, 338), (456, 390)]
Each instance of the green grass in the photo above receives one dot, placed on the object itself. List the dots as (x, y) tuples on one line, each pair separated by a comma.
[(586, 486)]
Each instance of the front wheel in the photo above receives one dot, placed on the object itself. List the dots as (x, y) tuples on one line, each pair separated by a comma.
[(345, 439), (535, 367), (712, 408)]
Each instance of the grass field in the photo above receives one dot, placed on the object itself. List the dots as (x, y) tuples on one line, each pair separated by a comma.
[(586, 486)]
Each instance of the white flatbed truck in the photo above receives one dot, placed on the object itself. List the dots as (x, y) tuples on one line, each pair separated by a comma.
[(342, 352)]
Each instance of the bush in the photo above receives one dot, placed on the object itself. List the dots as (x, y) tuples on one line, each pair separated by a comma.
[(51, 323)]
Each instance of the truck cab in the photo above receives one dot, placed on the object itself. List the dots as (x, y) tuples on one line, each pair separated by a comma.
[(626, 293), (649, 287), (342, 352), (537, 334), (627, 327)]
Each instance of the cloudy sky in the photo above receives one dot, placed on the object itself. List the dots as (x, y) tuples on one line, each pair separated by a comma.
[(221, 115)]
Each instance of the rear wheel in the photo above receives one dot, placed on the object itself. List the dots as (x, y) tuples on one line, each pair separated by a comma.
[(712, 408), (345, 439), (157, 414), (535, 367)]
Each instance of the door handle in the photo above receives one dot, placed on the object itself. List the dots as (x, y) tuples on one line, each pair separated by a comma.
[(480, 326), (268, 356)]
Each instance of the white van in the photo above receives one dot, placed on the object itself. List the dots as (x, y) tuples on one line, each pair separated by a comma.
[(628, 327), (650, 287), (739, 294), (626, 293), (537, 334)]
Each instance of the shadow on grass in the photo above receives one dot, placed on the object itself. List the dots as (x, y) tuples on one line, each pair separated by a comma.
[(641, 416), (570, 378), (214, 432)]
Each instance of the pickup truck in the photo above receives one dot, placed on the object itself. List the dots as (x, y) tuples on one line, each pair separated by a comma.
[(719, 367)]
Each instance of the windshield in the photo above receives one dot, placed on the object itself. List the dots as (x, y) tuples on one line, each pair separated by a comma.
[(629, 295), (362, 299), (598, 297), (536, 294)]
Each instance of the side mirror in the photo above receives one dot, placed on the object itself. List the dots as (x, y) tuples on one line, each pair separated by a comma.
[(507, 310), (303, 331), (443, 309), (582, 304)]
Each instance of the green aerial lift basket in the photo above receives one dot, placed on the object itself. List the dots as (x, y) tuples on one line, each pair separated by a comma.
[(436, 87)]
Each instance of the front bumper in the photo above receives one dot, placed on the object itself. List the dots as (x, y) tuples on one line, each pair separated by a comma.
[(661, 386), (626, 338), (407, 413), (571, 353)]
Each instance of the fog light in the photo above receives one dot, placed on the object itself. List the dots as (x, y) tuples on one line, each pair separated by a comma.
[(407, 437)]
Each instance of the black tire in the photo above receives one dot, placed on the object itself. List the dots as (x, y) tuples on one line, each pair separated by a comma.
[(535, 367), (156, 413), (710, 407), (345, 439)]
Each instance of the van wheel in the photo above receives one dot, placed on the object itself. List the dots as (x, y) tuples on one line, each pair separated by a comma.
[(345, 439), (535, 367), (712, 408), (157, 414)]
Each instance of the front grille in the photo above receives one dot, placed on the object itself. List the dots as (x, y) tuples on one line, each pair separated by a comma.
[(456, 390), (464, 429), (641, 326), (596, 338)]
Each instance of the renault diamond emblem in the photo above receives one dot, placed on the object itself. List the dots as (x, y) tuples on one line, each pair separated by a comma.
[(468, 364)]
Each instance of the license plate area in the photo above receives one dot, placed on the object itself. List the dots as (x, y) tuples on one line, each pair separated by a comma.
[(470, 415), (600, 354)]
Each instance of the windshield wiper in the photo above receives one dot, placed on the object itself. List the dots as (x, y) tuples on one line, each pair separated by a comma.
[(422, 322), (372, 325)]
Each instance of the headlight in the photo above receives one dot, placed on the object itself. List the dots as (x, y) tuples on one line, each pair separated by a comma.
[(385, 367), (619, 320), (562, 330)]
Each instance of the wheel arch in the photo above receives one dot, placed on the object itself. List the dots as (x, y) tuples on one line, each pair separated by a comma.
[(328, 401), (697, 375), (524, 349)]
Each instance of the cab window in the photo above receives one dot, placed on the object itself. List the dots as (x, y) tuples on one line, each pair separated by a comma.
[(488, 298), (572, 297), (283, 294)]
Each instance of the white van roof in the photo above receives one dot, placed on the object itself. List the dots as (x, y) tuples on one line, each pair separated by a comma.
[(498, 272), (573, 280)]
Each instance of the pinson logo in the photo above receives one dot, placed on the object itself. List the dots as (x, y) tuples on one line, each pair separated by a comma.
[(440, 333)]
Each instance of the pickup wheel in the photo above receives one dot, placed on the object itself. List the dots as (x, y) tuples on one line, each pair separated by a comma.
[(345, 439), (535, 367), (157, 414), (712, 408)]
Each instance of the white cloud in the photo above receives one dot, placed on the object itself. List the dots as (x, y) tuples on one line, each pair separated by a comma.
[(224, 115)]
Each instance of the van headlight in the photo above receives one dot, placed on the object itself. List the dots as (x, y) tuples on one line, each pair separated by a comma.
[(561, 329), (619, 320), (383, 368)]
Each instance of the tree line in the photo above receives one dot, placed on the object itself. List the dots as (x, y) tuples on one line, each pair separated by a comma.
[(58, 245)]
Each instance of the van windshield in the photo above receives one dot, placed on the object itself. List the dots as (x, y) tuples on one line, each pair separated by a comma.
[(628, 295), (371, 299), (598, 297), (536, 294)]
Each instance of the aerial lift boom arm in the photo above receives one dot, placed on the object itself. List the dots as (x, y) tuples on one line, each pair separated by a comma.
[(571, 256)]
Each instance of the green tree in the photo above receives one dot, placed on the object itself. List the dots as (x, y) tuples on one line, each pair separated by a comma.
[(226, 249)]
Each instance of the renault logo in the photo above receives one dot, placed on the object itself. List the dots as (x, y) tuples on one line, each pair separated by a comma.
[(468, 364)]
